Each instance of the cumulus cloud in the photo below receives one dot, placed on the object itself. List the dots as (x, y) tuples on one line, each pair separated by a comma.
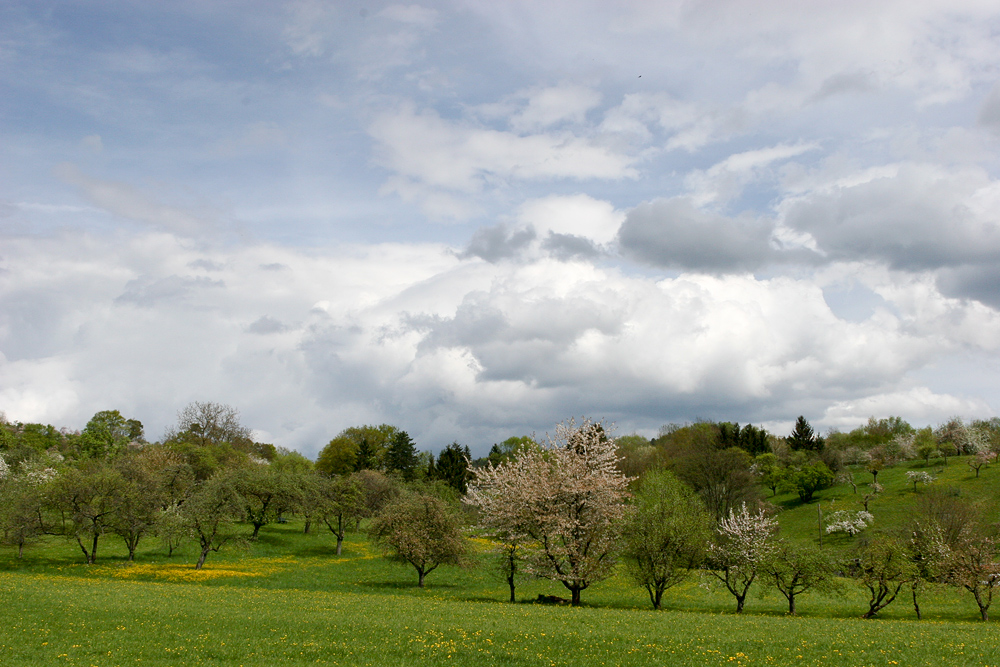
[(919, 404), (675, 233), (919, 218), (498, 242)]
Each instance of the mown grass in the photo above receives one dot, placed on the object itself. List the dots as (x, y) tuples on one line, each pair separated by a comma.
[(287, 599)]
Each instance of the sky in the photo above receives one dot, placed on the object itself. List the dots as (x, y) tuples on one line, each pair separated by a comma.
[(475, 219)]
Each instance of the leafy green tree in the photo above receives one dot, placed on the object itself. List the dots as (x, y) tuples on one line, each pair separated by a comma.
[(21, 510), (340, 500), (138, 503), (89, 495), (883, 565), (796, 569), (723, 478), (265, 489), (337, 457), (107, 434), (666, 534), (770, 471), (808, 479), (420, 530), (211, 512)]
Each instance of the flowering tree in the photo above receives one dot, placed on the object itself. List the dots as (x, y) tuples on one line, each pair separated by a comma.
[(919, 477), (845, 521), (744, 542), (981, 460), (567, 497)]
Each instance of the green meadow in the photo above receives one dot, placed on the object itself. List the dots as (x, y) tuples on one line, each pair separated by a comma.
[(287, 599)]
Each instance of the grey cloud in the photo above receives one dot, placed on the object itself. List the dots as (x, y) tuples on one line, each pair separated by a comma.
[(146, 292), (274, 266), (569, 246), (844, 83), (266, 325), (496, 243), (206, 264), (989, 113), (516, 339), (979, 283), (673, 233), (911, 221)]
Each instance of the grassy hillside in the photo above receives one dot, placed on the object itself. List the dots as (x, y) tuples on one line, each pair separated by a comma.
[(288, 600), (895, 506)]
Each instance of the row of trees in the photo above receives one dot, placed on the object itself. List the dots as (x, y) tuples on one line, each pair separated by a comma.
[(566, 509)]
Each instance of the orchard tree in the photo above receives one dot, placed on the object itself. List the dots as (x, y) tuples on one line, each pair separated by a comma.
[(796, 569), (806, 480), (744, 543), (666, 534), (210, 514), (973, 565), (90, 496), (883, 565), (137, 504), (567, 497), (420, 530), (339, 501)]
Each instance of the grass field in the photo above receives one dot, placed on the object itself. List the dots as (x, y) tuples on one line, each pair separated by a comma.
[(289, 600)]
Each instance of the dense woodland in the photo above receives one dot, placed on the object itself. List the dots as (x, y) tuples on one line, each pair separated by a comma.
[(693, 501)]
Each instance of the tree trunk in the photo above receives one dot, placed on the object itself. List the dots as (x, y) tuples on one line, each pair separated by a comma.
[(308, 524), (510, 582), (20, 549), (340, 542), (420, 578), (93, 551), (575, 598), (657, 598), (201, 559), (740, 599), (791, 605), (256, 529), (916, 605)]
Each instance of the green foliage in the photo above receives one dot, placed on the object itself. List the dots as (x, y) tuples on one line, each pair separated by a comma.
[(803, 437), (751, 439), (806, 480), (794, 569), (453, 466), (883, 565), (401, 456), (666, 534), (420, 530)]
